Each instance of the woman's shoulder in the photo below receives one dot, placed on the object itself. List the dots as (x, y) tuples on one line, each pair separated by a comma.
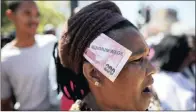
[(80, 105)]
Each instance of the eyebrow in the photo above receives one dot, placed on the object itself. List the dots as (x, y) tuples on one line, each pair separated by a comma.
[(140, 53), (29, 11)]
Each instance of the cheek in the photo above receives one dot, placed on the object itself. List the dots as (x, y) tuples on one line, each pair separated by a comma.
[(38, 21), (21, 21), (22, 18), (131, 78), (135, 73)]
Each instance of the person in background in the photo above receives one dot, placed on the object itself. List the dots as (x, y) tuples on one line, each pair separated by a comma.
[(4, 40), (160, 25), (49, 29), (25, 61), (175, 87), (7, 39), (66, 103)]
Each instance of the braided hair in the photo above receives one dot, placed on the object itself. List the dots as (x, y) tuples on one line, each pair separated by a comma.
[(83, 28)]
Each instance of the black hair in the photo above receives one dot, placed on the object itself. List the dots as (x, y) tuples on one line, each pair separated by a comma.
[(83, 28), (14, 5), (171, 52)]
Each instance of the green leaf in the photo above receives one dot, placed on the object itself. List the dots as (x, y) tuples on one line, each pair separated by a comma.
[(49, 15)]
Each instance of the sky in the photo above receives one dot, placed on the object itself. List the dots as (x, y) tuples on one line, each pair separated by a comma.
[(186, 9)]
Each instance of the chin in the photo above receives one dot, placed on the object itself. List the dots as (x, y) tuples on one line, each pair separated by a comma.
[(138, 107), (32, 32), (143, 106)]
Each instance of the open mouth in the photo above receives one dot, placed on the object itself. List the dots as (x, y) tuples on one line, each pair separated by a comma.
[(146, 90), (148, 87), (33, 26)]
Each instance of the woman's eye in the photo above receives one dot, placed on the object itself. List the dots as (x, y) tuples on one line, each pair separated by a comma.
[(138, 60)]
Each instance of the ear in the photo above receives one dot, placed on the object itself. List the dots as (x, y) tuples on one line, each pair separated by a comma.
[(9, 14), (91, 74)]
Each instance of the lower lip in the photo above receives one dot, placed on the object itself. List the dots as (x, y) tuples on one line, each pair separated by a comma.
[(34, 27), (147, 94)]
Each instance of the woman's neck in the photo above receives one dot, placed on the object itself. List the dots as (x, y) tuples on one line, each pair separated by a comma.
[(91, 102), (24, 40)]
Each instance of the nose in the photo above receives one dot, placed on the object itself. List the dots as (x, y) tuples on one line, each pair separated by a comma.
[(151, 69), (35, 19)]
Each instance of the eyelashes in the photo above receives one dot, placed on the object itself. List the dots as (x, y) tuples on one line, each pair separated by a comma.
[(137, 60)]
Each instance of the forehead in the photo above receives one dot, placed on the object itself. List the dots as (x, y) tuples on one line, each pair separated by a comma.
[(28, 5), (131, 39)]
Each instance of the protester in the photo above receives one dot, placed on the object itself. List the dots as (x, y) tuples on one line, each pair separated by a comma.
[(49, 29), (160, 24), (130, 89), (175, 87), (66, 103), (7, 39), (3, 40), (25, 61)]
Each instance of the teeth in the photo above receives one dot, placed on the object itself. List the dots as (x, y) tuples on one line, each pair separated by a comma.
[(33, 26)]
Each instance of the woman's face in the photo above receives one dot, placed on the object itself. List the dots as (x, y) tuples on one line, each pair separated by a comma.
[(127, 91)]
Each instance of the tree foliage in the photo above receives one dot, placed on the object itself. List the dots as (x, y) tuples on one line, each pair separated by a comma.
[(48, 16), (6, 25)]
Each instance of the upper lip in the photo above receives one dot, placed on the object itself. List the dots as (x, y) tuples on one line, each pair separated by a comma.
[(33, 24)]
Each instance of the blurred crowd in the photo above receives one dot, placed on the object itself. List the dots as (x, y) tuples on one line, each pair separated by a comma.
[(173, 52), (29, 72)]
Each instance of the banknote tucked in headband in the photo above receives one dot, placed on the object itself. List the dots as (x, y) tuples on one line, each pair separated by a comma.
[(107, 56)]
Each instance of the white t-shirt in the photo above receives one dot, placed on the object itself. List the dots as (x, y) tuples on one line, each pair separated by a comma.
[(26, 71)]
